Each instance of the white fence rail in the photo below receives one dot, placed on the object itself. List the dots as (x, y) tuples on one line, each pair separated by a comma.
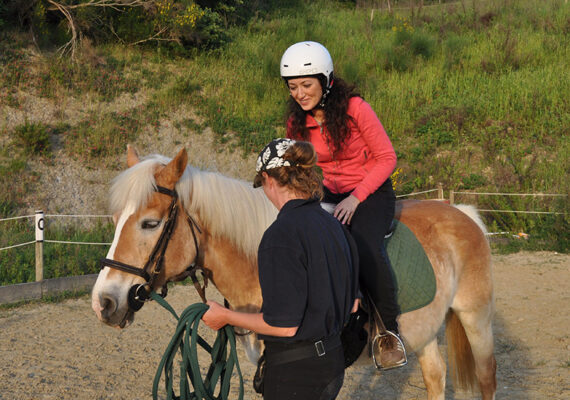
[(453, 193), (40, 219), (42, 286)]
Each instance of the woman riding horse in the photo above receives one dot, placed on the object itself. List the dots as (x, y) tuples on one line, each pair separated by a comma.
[(357, 159)]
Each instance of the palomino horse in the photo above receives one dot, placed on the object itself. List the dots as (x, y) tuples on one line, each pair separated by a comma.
[(220, 227)]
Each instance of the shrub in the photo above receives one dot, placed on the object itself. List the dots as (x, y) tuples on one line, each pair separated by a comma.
[(34, 137), (408, 43), (473, 181), (396, 58), (453, 47), (422, 44), (177, 24)]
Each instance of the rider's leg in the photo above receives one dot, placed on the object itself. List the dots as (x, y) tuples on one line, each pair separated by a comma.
[(370, 223)]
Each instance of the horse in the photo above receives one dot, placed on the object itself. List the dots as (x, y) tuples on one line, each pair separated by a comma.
[(225, 219)]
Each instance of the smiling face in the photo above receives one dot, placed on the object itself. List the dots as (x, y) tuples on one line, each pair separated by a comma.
[(306, 91)]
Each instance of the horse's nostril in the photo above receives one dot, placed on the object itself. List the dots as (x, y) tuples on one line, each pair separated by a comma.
[(108, 306)]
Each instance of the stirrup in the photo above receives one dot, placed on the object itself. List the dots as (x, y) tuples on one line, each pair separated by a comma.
[(377, 363)]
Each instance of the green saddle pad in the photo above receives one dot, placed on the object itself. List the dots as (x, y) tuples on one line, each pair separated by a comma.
[(414, 274)]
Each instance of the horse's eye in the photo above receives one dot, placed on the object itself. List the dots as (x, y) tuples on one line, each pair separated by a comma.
[(150, 224)]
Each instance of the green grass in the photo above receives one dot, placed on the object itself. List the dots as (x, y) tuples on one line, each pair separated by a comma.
[(18, 265)]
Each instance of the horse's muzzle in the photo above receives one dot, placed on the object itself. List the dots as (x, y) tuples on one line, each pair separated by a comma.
[(138, 295)]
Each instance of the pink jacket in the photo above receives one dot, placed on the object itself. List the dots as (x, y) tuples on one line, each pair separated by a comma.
[(367, 158)]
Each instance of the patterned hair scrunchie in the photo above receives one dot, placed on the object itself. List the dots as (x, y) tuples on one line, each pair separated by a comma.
[(272, 155)]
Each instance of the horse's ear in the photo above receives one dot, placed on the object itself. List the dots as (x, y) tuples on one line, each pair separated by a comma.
[(132, 156), (173, 170)]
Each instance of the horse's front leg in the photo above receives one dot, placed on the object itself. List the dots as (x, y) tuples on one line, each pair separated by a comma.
[(433, 370), (253, 347)]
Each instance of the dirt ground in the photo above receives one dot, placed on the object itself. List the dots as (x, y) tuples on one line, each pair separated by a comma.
[(60, 351)]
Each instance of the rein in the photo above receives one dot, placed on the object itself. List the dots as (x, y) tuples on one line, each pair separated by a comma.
[(140, 293), (186, 336), (224, 358)]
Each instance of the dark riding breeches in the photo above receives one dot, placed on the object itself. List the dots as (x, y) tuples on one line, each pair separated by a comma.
[(370, 223)]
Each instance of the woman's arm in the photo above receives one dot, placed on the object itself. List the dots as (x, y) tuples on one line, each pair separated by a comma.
[(375, 137), (218, 316)]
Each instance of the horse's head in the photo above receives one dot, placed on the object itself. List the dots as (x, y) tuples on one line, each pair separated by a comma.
[(149, 248)]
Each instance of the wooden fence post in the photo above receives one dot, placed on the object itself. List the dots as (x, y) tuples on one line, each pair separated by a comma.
[(440, 191), (451, 197), (40, 223)]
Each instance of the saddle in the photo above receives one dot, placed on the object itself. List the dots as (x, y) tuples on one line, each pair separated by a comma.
[(416, 287), (415, 279)]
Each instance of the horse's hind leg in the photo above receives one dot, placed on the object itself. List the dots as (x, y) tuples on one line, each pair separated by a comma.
[(433, 370), (477, 325)]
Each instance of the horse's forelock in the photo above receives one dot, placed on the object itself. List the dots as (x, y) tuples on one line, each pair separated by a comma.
[(136, 184)]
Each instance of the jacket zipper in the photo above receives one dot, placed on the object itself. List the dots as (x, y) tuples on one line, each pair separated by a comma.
[(336, 164)]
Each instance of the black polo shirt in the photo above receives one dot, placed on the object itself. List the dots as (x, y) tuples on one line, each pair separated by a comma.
[(306, 272)]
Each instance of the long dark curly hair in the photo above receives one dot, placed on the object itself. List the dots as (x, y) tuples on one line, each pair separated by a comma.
[(337, 121)]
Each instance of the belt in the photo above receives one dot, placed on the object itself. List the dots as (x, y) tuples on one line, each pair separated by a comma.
[(282, 354)]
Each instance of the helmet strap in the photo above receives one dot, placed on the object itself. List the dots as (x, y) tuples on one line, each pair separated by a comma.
[(326, 88), (324, 98)]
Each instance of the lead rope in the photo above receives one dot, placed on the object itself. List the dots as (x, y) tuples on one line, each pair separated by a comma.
[(185, 339)]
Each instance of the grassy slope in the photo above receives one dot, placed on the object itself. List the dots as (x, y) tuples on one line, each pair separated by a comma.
[(474, 98), (488, 86)]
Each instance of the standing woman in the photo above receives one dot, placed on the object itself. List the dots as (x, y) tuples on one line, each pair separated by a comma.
[(357, 159), (308, 280)]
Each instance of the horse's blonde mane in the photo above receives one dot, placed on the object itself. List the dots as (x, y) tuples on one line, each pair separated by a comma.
[(227, 207)]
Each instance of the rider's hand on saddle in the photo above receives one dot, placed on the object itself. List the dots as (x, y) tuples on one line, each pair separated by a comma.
[(345, 209)]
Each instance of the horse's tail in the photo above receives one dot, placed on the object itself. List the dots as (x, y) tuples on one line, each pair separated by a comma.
[(473, 214), (459, 353)]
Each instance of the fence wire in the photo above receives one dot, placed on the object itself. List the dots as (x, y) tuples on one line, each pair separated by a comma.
[(14, 218), (452, 193), (17, 245), (65, 242)]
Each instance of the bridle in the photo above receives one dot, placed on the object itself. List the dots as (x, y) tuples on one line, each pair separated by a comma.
[(140, 293)]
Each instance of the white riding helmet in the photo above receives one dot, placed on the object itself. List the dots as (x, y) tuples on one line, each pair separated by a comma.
[(305, 59)]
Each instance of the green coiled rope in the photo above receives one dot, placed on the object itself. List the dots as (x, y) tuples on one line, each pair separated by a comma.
[(186, 339)]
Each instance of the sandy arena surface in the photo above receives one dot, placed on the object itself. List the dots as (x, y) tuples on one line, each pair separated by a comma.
[(60, 351)]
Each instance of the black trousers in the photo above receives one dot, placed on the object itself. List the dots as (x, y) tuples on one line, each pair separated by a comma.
[(370, 223), (313, 378)]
